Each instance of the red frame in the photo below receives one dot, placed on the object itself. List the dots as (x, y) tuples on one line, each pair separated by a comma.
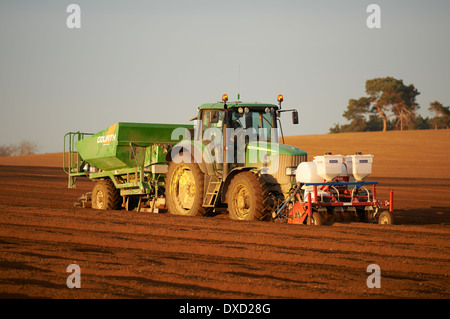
[(302, 210)]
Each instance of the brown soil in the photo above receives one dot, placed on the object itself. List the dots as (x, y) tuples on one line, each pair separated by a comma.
[(141, 255)]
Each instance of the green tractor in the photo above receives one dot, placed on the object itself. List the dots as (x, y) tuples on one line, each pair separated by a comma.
[(230, 159)]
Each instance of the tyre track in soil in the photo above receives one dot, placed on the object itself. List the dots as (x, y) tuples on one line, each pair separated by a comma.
[(137, 255)]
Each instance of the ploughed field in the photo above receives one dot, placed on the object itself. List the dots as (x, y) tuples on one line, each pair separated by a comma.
[(142, 255)]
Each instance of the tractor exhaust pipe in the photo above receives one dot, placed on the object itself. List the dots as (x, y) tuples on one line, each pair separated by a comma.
[(224, 146)]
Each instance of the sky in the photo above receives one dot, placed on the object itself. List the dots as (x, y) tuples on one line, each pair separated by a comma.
[(157, 61)]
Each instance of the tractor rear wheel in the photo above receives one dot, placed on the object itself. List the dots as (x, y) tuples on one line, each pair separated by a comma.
[(248, 198), (105, 196), (184, 189)]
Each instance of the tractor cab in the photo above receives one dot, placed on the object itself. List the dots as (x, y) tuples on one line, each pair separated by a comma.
[(236, 125), (259, 121)]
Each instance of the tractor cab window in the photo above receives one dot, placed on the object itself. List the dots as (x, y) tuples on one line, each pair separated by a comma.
[(259, 122), (212, 121)]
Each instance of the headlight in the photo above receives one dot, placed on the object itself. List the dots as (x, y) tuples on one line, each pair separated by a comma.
[(290, 171)]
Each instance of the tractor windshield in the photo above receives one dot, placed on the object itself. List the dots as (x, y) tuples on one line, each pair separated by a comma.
[(259, 122)]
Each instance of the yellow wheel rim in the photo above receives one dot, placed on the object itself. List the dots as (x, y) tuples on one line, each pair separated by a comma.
[(183, 188), (241, 202), (100, 198)]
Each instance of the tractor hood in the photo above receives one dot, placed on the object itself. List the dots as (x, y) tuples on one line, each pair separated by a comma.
[(276, 162), (273, 149)]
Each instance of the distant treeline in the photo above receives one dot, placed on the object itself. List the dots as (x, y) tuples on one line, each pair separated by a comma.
[(391, 105), (23, 148)]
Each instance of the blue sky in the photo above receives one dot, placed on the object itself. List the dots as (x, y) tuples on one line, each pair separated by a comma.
[(157, 61)]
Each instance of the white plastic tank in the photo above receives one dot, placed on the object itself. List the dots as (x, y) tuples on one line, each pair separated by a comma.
[(328, 166), (343, 169), (348, 161), (307, 173), (359, 166)]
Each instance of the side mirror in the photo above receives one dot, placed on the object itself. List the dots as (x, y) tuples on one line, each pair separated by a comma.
[(294, 117)]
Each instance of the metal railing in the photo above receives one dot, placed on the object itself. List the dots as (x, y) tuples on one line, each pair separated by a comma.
[(72, 161)]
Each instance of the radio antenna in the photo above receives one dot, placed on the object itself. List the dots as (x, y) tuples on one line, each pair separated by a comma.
[(239, 83)]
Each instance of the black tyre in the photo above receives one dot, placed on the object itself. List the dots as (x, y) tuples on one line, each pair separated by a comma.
[(105, 196), (386, 218), (328, 217), (132, 203), (316, 219), (185, 189), (248, 197)]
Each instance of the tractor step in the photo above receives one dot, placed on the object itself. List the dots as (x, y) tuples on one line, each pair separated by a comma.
[(212, 190)]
